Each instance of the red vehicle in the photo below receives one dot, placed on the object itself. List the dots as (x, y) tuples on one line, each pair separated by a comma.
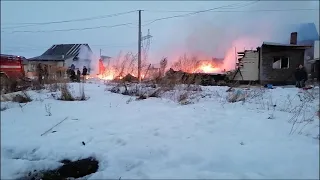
[(11, 71)]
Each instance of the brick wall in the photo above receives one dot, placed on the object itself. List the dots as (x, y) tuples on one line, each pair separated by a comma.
[(279, 76)]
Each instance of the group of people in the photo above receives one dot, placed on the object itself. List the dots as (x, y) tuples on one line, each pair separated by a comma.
[(75, 73)]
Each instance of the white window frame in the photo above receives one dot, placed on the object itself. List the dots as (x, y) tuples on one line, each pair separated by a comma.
[(281, 63)]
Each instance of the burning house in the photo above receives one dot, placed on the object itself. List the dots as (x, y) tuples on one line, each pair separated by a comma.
[(271, 63)]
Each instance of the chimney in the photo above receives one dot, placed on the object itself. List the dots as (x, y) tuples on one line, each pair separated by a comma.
[(294, 38)]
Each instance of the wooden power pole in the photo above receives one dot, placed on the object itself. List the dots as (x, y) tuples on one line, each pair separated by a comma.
[(139, 48)]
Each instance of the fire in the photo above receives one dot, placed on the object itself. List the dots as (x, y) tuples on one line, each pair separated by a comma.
[(207, 68), (106, 77)]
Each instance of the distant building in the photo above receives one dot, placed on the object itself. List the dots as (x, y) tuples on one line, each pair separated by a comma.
[(62, 56)]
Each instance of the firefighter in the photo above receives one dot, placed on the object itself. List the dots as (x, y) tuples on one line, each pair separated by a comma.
[(40, 73), (84, 72), (73, 67), (301, 76), (78, 75), (72, 75)]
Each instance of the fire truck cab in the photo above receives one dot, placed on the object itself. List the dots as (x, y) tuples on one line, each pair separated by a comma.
[(11, 70)]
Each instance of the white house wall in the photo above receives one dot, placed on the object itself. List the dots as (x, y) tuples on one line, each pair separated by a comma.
[(250, 68), (68, 62)]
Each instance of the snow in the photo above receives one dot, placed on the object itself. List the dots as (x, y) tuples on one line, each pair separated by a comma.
[(157, 138)]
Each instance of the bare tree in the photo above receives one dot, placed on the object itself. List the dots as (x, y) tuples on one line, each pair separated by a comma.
[(163, 66), (186, 64)]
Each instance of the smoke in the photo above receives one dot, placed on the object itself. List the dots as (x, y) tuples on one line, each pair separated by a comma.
[(220, 34), (88, 59)]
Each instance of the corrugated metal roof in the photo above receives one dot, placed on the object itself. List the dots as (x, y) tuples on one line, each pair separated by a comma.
[(60, 52), (48, 58)]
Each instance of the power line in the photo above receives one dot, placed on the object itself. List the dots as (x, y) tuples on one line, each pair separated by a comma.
[(125, 24), (258, 10), (72, 29), (46, 47), (159, 19), (73, 20), (66, 21), (196, 12), (55, 22)]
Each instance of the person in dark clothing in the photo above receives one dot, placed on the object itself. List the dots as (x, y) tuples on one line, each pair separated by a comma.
[(301, 76), (72, 67), (72, 75), (84, 73), (78, 75)]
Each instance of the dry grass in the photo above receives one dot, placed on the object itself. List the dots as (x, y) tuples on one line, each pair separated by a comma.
[(186, 63), (22, 98), (65, 93)]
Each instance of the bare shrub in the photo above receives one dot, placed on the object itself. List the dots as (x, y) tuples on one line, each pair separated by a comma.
[(35, 85), (300, 118), (48, 109), (21, 98), (53, 84), (193, 88), (125, 65), (142, 96), (65, 93), (54, 87), (186, 64), (163, 66), (183, 99), (236, 96)]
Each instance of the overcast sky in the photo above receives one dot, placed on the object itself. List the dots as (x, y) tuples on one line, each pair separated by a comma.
[(211, 33)]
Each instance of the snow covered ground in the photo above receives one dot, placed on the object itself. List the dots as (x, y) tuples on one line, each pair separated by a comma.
[(159, 138)]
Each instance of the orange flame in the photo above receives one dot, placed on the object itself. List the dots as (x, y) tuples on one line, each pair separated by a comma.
[(207, 68)]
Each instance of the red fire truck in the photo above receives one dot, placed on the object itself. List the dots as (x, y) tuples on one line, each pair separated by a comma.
[(11, 71)]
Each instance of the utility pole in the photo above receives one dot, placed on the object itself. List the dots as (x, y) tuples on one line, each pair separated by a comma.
[(100, 53), (139, 48)]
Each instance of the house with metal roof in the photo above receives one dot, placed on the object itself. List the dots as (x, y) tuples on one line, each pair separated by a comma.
[(62, 56)]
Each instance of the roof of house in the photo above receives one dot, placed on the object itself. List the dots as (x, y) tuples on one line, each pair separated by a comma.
[(284, 45), (60, 52)]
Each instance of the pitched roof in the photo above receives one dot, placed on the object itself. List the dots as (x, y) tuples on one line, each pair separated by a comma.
[(60, 52)]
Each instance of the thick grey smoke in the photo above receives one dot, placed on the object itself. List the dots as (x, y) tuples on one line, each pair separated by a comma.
[(88, 59), (219, 34)]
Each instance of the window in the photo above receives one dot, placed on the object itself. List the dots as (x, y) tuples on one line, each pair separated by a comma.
[(31, 67), (280, 63)]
